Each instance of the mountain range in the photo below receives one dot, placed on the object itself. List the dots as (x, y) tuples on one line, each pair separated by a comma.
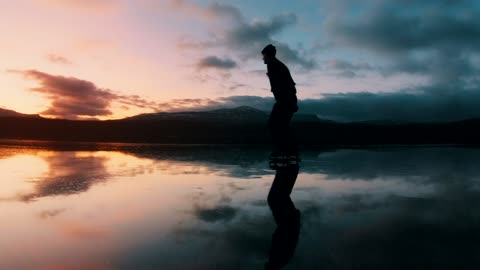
[(242, 125), (240, 114), (10, 113)]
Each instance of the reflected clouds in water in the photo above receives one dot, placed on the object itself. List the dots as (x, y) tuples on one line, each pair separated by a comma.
[(354, 228), (68, 173)]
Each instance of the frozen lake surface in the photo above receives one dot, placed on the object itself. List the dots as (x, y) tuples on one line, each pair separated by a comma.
[(128, 207)]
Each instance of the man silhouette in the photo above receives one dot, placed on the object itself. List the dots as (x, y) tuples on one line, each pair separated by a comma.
[(284, 91)]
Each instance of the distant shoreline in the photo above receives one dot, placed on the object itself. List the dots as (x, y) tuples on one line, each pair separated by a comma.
[(245, 131), (107, 146)]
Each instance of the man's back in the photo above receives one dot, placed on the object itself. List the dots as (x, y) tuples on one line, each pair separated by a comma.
[(281, 82)]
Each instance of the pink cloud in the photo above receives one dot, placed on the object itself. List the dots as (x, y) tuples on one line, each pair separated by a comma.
[(187, 104), (73, 98), (70, 97), (84, 231), (58, 59), (86, 5)]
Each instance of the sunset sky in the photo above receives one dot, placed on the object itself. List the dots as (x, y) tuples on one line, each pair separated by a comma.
[(351, 60)]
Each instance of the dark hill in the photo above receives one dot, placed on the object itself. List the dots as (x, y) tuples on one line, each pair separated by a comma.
[(244, 113), (241, 114), (242, 125), (10, 113)]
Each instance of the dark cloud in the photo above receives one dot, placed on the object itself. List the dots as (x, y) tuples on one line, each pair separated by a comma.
[(261, 30), (348, 69), (434, 38), (422, 104), (58, 59), (235, 86), (136, 101), (345, 65), (244, 37), (426, 26), (348, 74), (73, 98), (250, 38), (215, 62)]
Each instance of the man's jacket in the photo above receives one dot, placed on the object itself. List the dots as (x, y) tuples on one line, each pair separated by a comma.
[(282, 84)]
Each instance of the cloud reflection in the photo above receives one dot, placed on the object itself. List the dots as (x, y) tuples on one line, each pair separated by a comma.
[(226, 226), (220, 213), (68, 173)]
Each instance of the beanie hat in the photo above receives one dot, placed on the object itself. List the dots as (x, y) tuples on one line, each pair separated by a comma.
[(269, 50)]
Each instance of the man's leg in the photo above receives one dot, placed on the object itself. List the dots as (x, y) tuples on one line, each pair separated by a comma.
[(289, 140), (274, 126), (279, 125)]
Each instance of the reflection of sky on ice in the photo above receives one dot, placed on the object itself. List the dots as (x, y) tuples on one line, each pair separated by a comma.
[(149, 209)]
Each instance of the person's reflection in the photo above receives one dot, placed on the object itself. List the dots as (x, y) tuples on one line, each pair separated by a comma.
[(287, 217)]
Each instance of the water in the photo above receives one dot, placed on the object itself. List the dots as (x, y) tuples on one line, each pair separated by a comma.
[(109, 206)]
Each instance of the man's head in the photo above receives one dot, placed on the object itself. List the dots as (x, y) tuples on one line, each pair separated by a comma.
[(268, 53)]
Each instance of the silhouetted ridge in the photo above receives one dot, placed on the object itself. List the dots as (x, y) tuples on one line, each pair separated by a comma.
[(300, 117), (11, 113), (241, 109), (240, 114), (243, 113), (243, 125)]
